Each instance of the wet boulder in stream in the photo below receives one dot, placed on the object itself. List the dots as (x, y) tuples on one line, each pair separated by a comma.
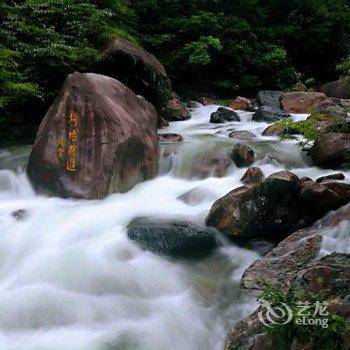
[(301, 102), (331, 150), (242, 155), (97, 137), (252, 176), (172, 238), (264, 210), (269, 114), (275, 207), (223, 115)]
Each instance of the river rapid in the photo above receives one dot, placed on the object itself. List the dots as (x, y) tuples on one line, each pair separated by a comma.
[(70, 279)]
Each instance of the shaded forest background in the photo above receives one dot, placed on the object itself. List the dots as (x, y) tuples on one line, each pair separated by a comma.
[(225, 47)]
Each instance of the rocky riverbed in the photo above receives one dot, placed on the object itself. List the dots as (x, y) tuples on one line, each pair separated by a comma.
[(83, 274)]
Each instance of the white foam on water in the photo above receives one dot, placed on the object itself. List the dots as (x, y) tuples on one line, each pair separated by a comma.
[(71, 279)]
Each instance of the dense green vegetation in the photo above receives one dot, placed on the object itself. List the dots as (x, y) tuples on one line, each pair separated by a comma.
[(246, 45), (223, 47)]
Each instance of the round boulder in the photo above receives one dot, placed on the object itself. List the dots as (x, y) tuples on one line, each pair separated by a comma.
[(223, 115), (252, 176), (242, 155), (98, 137), (331, 150)]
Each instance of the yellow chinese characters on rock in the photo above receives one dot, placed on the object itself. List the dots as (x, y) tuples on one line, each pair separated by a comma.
[(60, 148), (73, 137), (72, 147)]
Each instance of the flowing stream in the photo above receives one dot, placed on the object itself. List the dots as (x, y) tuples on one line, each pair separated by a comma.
[(70, 279)]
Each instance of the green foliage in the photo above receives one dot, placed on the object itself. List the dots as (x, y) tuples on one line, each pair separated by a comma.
[(12, 85), (321, 338), (270, 44), (310, 129), (43, 41)]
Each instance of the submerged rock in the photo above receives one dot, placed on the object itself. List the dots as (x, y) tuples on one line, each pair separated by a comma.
[(242, 135), (242, 155), (197, 195), (301, 102), (170, 138), (269, 114), (331, 150), (270, 99), (214, 162), (174, 110), (173, 238), (223, 115), (137, 69), (20, 214), (97, 137)]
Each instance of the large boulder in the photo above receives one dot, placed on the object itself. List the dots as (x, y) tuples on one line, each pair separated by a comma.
[(174, 110), (301, 102), (275, 207), (331, 150), (137, 69), (263, 210), (281, 265), (223, 115), (270, 98), (338, 88), (97, 137), (269, 114), (173, 238)]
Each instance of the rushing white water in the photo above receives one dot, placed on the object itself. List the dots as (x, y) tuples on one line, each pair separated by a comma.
[(71, 279)]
